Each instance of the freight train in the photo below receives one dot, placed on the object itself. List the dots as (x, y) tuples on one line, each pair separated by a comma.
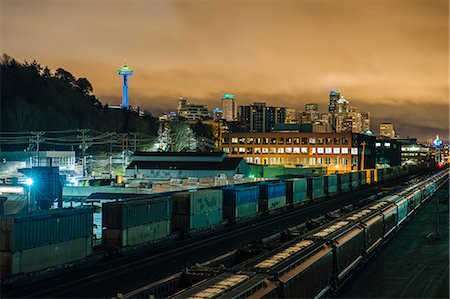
[(142, 221), (320, 261)]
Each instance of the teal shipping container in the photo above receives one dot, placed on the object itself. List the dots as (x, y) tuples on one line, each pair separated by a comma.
[(197, 202), (295, 185), (45, 257), (316, 187), (331, 184), (297, 198), (45, 227), (363, 177), (354, 179), (344, 182), (241, 211), (136, 212)]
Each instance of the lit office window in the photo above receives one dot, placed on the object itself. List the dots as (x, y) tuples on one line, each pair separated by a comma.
[(336, 150), (242, 150), (257, 140), (312, 161), (257, 150), (273, 150), (281, 150), (344, 150), (313, 150), (288, 161), (249, 140), (320, 161), (249, 150), (234, 140), (249, 159), (312, 140), (387, 144), (345, 161), (226, 150), (304, 150), (296, 150), (378, 144), (272, 161), (304, 161), (354, 151), (328, 150), (336, 161), (320, 150), (265, 150), (288, 140), (289, 150), (234, 150), (327, 161), (242, 140)]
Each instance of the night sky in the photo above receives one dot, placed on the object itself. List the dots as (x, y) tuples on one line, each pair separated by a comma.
[(387, 57)]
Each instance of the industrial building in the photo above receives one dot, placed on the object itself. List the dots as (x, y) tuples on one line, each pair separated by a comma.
[(184, 165), (339, 152), (389, 152), (13, 160)]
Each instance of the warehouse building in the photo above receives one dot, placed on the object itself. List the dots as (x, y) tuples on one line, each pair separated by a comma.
[(339, 152), (184, 165)]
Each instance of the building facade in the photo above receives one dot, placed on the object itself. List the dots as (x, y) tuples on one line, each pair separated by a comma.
[(260, 118), (229, 107), (389, 152), (191, 111), (387, 130), (338, 152)]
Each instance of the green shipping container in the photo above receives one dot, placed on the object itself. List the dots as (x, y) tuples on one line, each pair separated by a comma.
[(316, 187), (241, 211), (137, 235), (363, 177), (196, 222), (344, 182), (44, 257), (299, 197), (331, 184), (354, 178), (41, 228), (295, 185), (137, 212), (272, 203), (197, 202)]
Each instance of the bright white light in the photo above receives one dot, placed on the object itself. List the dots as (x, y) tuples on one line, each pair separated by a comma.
[(29, 181)]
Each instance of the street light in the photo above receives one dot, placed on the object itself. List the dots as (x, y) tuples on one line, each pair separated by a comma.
[(29, 182)]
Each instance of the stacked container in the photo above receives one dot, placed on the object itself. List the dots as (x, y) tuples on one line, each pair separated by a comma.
[(135, 222), (44, 239), (331, 184), (344, 182), (354, 179), (240, 202), (196, 210), (272, 196), (296, 190), (316, 187)]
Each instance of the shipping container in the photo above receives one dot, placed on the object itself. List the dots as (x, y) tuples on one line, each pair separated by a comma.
[(197, 222), (344, 182), (331, 184), (137, 235), (296, 198), (272, 190), (197, 202), (272, 203), (234, 196), (363, 178), (45, 227), (316, 187), (131, 213), (45, 257), (295, 185), (354, 180), (241, 211)]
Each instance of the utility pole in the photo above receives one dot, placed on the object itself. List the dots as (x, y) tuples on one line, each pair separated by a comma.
[(83, 148), (37, 140)]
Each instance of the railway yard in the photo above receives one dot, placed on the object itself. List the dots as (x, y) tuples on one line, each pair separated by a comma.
[(184, 257)]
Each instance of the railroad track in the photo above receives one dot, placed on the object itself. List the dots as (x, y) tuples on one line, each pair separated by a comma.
[(130, 273)]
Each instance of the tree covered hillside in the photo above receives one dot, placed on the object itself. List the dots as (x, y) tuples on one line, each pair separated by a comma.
[(34, 98)]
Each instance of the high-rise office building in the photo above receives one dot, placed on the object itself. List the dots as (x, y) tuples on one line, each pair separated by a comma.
[(313, 110), (229, 107), (335, 95), (387, 130), (260, 118), (291, 116)]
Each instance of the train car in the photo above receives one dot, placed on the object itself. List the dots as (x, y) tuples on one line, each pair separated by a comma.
[(231, 285), (389, 211), (272, 196), (240, 202), (344, 182), (296, 191), (331, 184), (197, 210), (303, 268), (414, 200), (354, 180), (372, 222), (136, 222), (316, 187)]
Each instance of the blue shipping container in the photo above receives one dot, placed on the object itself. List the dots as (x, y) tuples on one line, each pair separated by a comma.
[(240, 195), (272, 190)]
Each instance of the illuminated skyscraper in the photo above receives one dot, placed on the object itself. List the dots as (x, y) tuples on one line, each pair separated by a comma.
[(229, 107), (387, 130), (334, 98), (125, 72)]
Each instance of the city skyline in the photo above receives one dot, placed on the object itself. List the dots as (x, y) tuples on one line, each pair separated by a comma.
[(387, 59)]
